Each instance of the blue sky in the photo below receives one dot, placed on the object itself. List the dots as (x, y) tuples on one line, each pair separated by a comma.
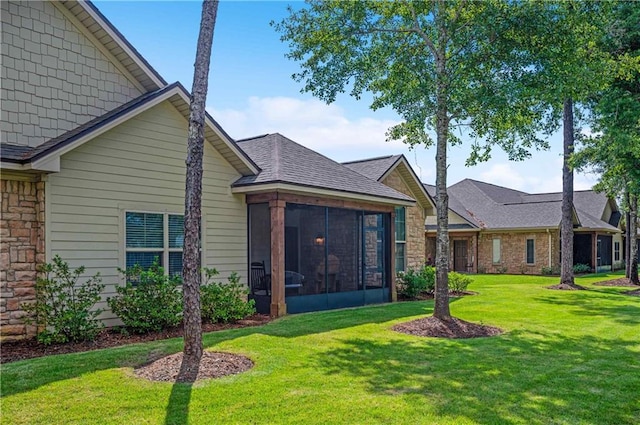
[(251, 92)]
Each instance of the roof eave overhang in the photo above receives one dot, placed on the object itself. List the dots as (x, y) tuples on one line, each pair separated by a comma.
[(471, 229), (597, 229), (50, 161), (316, 191), (48, 165)]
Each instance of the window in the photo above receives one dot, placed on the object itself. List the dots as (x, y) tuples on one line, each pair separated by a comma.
[(616, 251), (151, 235), (531, 256), (401, 238), (496, 250)]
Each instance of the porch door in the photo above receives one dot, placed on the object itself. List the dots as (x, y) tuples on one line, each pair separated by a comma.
[(460, 260)]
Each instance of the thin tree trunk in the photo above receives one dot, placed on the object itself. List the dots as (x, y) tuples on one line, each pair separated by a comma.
[(633, 230), (193, 195), (628, 239), (441, 294), (566, 225)]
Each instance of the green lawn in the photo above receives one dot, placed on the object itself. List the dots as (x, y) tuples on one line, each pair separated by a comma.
[(566, 358)]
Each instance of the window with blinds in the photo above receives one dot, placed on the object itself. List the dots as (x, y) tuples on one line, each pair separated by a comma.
[(151, 236)]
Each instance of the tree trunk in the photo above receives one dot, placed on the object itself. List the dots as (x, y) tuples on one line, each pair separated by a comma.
[(566, 225), (628, 239), (191, 272), (633, 230), (441, 294)]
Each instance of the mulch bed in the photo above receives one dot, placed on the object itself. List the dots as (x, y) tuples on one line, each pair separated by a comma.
[(428, 296), (635, 293), (11, 351), (452, 328), (213, 364), (623, 281), (567, 287)]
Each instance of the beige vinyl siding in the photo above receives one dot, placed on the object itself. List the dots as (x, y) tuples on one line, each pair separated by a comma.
[(453, 219), (139, 166)]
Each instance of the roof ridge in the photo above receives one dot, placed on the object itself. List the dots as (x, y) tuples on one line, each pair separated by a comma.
[(252, 137), (369, 159)]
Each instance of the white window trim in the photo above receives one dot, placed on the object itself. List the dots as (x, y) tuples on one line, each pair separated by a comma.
[(493, 251), (126, 207), (526, 247)]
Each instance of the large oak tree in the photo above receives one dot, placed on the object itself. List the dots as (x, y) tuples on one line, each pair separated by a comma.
[(443, 66)]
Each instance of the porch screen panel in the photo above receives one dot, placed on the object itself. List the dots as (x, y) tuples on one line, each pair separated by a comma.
[(343, 246), (260, 235), (306, 245)]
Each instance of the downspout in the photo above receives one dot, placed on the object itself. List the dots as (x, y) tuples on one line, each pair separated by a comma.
[(550, 249)]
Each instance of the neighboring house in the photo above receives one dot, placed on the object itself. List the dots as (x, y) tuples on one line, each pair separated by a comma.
[(395, 171), (93, 168), (495, 229)]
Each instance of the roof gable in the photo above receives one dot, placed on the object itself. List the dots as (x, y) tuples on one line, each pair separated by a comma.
[(381, 167)]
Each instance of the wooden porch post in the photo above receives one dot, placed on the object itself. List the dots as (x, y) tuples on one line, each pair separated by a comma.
[(276, 209), (392, 262)]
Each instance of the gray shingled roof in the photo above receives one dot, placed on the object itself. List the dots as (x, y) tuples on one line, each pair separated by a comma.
[(454, 205), (496, 207), (285, 161), (14, 153), (374, 168)]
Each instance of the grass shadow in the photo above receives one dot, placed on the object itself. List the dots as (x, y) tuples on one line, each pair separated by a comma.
[(27, 375), (178, 405), (594, 302), (521, 377)]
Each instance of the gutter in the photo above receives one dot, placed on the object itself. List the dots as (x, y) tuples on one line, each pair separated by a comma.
[(550, 249)]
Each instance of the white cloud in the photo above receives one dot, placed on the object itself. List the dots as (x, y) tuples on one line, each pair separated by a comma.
[(544, 178), (312, 123), (328, 129)]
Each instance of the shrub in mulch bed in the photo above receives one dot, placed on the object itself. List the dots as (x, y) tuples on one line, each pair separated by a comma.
[(30, 348)]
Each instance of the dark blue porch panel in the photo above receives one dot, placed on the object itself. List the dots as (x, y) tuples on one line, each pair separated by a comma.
[(307, 303)]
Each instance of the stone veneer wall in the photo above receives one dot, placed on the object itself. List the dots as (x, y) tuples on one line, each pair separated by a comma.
[(415, 219), (21, 251), (513, 252)]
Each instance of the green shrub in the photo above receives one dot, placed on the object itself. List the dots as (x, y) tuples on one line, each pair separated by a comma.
[(413, 283), (149, 301), (581, 268), (458, 282), (501, 269), (548, 270), (62, 310), (224, 302)]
